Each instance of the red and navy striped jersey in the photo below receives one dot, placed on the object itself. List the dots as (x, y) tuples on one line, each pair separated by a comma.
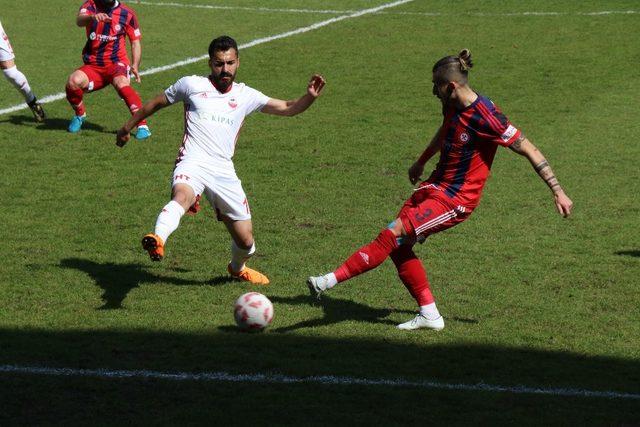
[(469, 140), (106, 40)]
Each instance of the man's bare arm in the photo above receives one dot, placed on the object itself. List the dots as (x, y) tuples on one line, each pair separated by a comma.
[(149, 108), (416, 169), (525, 148)]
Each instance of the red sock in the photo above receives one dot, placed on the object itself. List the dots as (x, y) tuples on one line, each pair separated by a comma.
[(74, 96), (132, 99), (367, 257), (412, 274)]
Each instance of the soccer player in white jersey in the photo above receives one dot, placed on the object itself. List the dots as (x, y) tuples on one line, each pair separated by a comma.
[(215, 108), (16, 78)]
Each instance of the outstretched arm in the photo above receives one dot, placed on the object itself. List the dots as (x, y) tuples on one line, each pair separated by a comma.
[(296, 106), (150, 107), (525, 148), (416, 169)]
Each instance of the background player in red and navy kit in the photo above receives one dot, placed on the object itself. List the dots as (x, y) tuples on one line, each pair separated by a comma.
[(472, 129), (108, 23)]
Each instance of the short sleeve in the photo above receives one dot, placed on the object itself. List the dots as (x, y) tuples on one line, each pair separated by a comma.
[(133, 29), (177, 92), (498, 128), (87, 8), (256, 100)]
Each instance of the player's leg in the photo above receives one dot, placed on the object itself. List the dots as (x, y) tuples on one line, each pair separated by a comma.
[(227, 197), (122, 83), (243, 247), (364, 259), (81, 80), (186, 186), (421, 219), (20, 82)]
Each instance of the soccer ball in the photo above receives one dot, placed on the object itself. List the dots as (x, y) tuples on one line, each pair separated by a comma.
[(253, 311)]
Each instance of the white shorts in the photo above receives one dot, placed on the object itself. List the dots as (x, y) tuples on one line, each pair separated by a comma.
[(224, 192), (6, 52)]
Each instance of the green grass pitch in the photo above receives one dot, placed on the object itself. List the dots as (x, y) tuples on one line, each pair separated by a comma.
[(529, 299)]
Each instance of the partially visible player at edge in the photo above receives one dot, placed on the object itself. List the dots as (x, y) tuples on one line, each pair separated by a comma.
[(472, 129), (16, 78), (107, 23), (215, 109)]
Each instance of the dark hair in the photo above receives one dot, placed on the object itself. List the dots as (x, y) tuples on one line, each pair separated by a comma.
[(222, 43), (454, 68)]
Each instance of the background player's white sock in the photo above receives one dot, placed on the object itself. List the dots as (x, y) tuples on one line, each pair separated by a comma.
[(20, 82), (430, 311), (169, 219), (239, 256)]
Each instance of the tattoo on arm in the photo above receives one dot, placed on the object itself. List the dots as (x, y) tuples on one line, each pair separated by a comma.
[(517, 144), (545, 172)]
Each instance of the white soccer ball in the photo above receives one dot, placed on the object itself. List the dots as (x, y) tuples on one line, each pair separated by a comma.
[(253, 311)]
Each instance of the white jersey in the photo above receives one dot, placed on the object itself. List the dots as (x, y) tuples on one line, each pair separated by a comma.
[(6, 52), (212, 119)]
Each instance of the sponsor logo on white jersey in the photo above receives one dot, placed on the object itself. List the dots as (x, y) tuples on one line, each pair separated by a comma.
[(508, 134)]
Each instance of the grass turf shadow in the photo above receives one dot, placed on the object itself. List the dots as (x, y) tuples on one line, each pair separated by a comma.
[(117, 280), (82, 400)]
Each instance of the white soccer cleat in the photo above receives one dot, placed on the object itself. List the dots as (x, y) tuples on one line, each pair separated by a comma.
[(317, 285), (422, 322)]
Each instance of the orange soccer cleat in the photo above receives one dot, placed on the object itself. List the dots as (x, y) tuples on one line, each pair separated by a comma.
[(153, 244), (249, 275)]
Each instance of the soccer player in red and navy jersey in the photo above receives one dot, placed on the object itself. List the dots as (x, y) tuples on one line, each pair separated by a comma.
[(108, 23), (472, 129)]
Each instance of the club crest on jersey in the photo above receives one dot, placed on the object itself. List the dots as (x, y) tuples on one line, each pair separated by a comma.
[(464, 137), (232, 103), (117, 27)]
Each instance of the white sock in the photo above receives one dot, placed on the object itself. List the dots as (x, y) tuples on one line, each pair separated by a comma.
[(20, 82), (430, 311), (239, 256), (169, 220), (330, 280)]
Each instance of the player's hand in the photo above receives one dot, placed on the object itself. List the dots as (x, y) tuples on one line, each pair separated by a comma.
[(315, 85), (101, 17), (122, 137), (563, 203), (415, 171), (136, 74)]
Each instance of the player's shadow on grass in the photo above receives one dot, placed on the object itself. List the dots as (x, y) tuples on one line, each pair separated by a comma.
[(117, 280), (53, 123), (633, 253), (337, 310)]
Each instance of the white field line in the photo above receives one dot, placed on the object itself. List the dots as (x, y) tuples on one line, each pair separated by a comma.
[(340, 12), (355, 14), (325, 379)]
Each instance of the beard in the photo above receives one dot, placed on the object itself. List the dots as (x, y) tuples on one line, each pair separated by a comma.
[(223, 80)]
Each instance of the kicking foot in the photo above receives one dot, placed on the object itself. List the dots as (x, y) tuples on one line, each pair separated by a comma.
[(143, 132), (317, 285), (249, 275), (154, 245), (37, 110), (422, 322), (76, 123)]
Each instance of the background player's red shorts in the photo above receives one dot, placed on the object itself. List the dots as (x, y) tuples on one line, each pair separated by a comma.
[(100, 77), (428, 211)]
